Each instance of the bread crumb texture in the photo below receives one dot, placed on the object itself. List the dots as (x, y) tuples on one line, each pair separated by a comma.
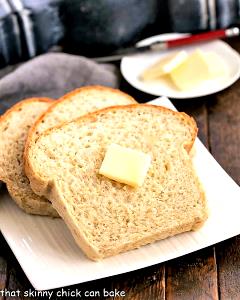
[(107, 217)]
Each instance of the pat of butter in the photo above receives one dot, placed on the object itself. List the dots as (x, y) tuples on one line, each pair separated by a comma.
[(193, 71), (164, 66), (125, 165), (196, 69)]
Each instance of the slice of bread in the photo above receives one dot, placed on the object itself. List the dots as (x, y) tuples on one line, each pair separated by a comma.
[(77, 103), (70, 106), (107, 217), (14, 127)]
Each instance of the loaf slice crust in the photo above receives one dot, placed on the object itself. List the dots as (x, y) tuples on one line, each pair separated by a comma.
[(77, 103), (106, 217), (14, 127)]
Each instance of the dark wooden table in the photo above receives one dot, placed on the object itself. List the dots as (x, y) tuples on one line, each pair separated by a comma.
[(211, 273)]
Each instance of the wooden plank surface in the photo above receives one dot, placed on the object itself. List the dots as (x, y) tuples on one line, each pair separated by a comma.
[(193, 276), (15, 285), (3, 274), (228, 261), (144, 284), (12, 278), (224, 139), (3, 266), (224, 134)]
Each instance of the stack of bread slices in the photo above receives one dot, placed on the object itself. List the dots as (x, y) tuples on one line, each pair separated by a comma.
[(51, 153)]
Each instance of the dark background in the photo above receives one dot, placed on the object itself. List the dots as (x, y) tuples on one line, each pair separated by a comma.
[(98, 27)]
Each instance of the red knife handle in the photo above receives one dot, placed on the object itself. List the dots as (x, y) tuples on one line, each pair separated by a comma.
[(201, 37)]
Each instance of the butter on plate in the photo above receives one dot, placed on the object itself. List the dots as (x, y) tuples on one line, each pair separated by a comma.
[(164, 66), (196, 69), (125, 165), (189, 72)]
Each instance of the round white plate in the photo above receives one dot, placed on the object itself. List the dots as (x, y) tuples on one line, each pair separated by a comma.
[(133, 66)]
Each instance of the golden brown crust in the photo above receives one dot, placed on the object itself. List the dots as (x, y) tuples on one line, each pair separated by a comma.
[(64, 98), (74, 92), (92, 115), (95, 87), (69, 95), (21, 103)]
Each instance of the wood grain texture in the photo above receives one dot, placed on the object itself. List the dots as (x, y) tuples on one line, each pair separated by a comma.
[(3, 275), (228, 260), (224, 139), (143, 284), (15, 284), (3, 266), (192, 277), (224, 133), (12, 278)]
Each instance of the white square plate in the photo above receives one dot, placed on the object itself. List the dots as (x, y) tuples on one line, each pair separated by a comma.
[(50, 258)]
